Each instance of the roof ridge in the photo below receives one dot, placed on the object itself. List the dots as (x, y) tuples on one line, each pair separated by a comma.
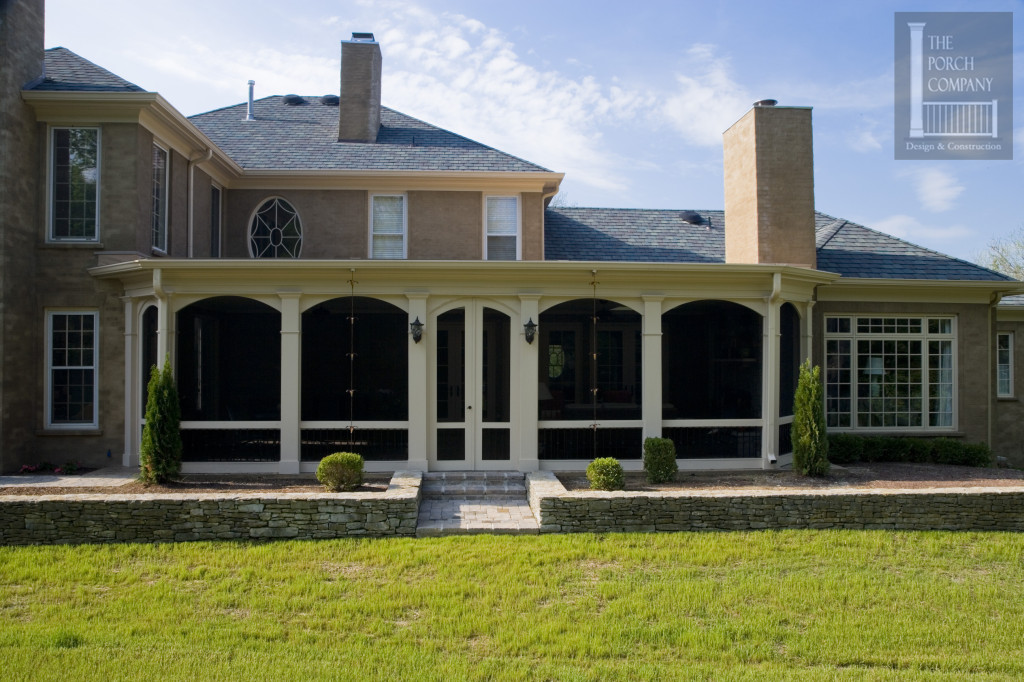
[(829, 231)]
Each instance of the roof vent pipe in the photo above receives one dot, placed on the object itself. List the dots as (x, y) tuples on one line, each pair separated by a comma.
[(248, 113), (766, 103)]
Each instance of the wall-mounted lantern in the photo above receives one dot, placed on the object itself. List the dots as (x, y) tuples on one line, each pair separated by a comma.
[(416, 328), (530, 330)]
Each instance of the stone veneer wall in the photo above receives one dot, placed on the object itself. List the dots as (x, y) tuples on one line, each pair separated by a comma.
[(50, 519), (560, 511)]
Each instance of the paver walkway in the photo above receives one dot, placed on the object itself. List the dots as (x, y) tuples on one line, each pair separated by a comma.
[(460, 503)]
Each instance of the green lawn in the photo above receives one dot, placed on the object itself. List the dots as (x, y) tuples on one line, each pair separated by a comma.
[(757, 605)]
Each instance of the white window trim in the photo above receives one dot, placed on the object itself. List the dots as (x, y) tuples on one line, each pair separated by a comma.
[(252, 215), (519, 223), (953, 336), (48, 406), (51, 238), (162, 248), (1000, 394), (405, 224)]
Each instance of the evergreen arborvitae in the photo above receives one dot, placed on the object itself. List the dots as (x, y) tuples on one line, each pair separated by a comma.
[(160, 458), (810, 442)]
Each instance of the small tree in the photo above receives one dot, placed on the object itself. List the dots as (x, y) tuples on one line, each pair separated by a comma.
[(810, 442), (160, 458)]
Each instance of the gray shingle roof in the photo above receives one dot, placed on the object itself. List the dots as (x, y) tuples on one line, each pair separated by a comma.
[(852, 250), (305, 137), (66, 71)]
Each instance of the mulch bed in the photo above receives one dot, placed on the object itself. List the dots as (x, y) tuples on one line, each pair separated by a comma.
[(208, 483), (861, 475)]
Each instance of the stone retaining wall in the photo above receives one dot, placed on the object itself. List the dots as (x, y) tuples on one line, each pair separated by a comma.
[(560, 511), (51, 519)]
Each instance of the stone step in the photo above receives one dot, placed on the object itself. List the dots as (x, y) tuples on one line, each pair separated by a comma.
[(473, 489), (497, 486)]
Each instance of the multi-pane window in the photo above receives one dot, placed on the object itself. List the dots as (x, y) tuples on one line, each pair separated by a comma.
[(387, 226), (889, 372), (1004, 364), (74, 188), (159, 198), (71, 369), (502, 225), (275, 231)]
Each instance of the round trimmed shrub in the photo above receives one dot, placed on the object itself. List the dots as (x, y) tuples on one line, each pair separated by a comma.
[(605, 473), (660, 460), (341, 471)]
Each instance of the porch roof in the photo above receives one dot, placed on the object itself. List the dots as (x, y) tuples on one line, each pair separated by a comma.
[(666, 236)]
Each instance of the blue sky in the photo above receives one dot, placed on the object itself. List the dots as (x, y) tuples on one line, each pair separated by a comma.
[(629, 100)]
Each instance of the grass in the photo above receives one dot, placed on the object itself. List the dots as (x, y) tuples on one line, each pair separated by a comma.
[(780, 605)]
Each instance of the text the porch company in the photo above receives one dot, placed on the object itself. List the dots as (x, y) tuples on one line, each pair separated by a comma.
[(948, 63)]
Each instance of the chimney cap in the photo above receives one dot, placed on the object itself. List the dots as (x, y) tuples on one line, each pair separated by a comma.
[(766, 102), (362, 38)]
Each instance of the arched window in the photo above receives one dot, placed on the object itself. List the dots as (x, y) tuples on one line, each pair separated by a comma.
[(275, 231)]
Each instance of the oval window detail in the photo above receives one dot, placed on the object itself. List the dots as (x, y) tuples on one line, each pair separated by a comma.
[(275, 231)]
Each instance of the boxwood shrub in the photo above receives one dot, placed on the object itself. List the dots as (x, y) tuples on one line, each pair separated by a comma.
[(846, 448), (605, 473), (341, 471), (660, 460)]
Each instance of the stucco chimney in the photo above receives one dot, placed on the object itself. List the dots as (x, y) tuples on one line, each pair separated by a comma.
[(359, 108), (769, 187)]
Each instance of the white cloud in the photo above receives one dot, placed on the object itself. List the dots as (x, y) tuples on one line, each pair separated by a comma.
[(913, 230), (936, 189), (864, 141), (707, 101)]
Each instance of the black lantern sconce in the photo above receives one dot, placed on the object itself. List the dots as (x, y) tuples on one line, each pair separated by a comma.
[(530, 330), (416, 328)]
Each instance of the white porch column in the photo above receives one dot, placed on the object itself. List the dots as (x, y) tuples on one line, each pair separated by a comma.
[(770, 379), (291, 381), (131, 384), (529, 371), (419, 393), (163, 319), (807, 348), (651, 358)]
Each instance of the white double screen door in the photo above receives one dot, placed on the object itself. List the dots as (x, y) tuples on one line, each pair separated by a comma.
[(471, 415)]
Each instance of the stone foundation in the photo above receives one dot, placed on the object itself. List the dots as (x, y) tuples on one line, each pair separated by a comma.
[(62, 519), (560, 511)]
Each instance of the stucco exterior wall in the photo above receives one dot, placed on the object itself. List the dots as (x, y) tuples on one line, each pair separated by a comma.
[(1008, 426), (334, 222), (533, 226), (177, 206), (975, 373), (445, 225), (201, 197), (22, 145)]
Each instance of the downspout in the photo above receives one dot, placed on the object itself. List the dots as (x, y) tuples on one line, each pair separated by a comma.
[(198, 157)]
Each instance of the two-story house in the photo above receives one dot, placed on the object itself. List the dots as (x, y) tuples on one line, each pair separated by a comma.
[(328, 274)]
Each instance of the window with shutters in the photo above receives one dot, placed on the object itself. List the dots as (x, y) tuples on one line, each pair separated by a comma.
[(501, 223), (387, 226)]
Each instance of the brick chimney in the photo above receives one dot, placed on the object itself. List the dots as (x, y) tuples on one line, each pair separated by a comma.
[(359, 108), (769, 187)]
